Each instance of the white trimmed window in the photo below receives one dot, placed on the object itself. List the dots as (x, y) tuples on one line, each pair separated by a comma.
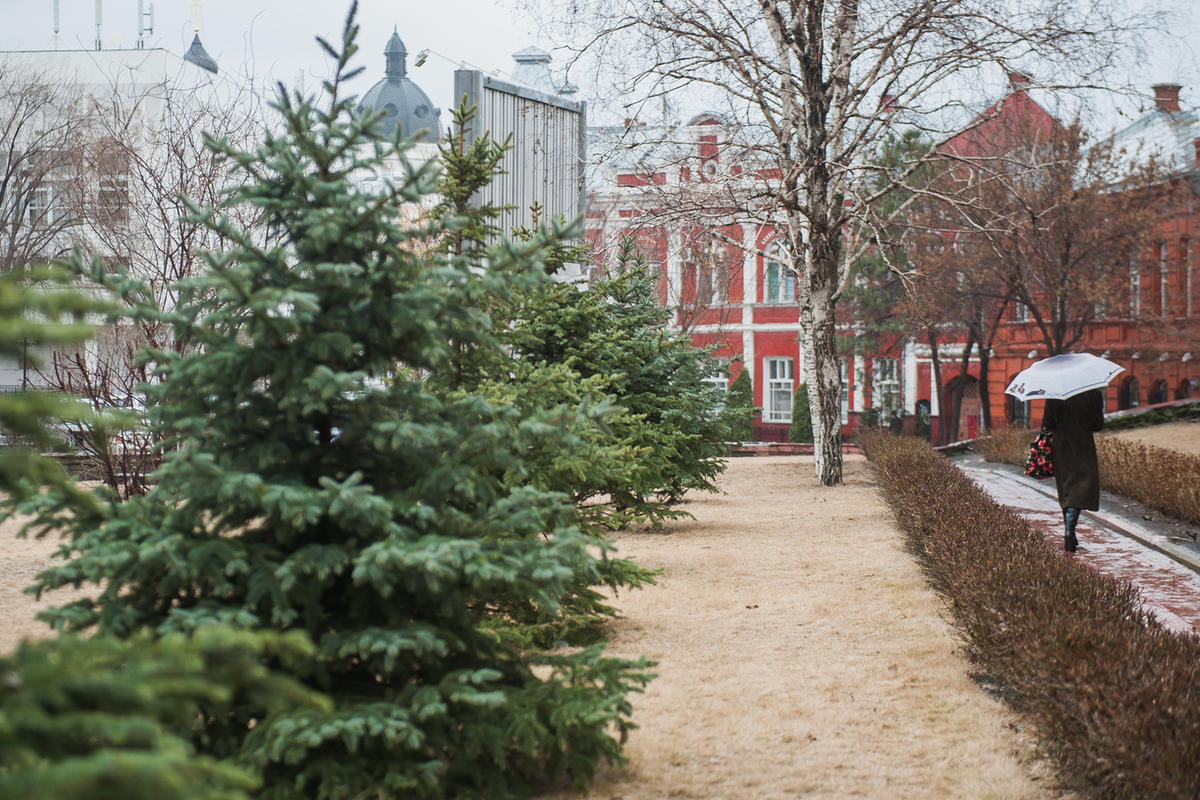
[(777, 403), (885, 382), (41, 200), (780, 282), (716, 263), (721, 381)]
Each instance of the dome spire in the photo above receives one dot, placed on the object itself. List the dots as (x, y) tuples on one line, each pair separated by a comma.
[(396, 55), (199, 56)]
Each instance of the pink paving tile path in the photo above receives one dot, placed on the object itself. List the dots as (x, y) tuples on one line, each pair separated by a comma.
[(1169, 589)]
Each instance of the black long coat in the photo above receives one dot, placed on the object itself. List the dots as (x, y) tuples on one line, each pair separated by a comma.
[(1073, 448)]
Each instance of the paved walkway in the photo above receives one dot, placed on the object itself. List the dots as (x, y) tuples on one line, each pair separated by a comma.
[(1124, 539)]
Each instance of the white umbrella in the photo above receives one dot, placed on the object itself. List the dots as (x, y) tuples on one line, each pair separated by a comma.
[(1060, 377)]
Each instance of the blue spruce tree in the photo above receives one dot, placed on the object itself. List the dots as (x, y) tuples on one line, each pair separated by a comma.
[(319, 477)]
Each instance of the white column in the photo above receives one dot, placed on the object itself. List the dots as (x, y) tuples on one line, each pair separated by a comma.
[(749, 283), (858, 378), (934, 407), (908, 366), (674, 258), (748, 354)]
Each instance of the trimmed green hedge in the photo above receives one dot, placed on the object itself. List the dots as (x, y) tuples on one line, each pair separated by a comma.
[(1115, 697), (1154, 416)]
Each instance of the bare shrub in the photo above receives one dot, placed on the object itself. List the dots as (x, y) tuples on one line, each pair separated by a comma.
[(1006, 446), (1164, 479), (1114, 696)]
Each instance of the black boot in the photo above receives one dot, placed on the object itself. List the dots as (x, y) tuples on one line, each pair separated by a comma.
[(1070, 518)]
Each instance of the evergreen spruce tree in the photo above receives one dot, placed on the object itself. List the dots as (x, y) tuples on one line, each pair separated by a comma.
[(101, 717), (801, 428), (580, 452), (84, 719), (616, 332), (320, 477), (739, 408)]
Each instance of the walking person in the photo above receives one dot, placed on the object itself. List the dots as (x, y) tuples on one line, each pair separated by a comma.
[(1073, 422)]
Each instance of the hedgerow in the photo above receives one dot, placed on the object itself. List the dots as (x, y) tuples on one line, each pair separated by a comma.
[(1155, 416), (1115, 696), (1166, 480)]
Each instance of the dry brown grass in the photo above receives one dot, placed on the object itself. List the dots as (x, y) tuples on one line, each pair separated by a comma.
[(801, 654), (20, 562)]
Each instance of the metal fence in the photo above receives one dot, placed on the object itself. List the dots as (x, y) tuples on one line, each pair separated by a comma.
[(546, 162)]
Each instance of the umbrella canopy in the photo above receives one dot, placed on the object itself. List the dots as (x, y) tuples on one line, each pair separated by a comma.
[(1060, 377)]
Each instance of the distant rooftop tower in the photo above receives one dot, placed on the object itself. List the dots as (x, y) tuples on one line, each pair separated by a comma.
[(199, 56), (533, 70), (99, 23), (404, 104), (145, 22), (196, 53)]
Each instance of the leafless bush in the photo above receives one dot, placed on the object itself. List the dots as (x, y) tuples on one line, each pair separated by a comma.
[(145, 153), (1006, 446), (1115, 696), (1166, 480)]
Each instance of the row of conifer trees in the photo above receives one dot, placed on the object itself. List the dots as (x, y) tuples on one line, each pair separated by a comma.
[(392, 451)]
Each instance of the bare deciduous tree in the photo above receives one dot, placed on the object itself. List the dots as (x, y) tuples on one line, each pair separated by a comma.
[(821, 80), (42, 127), (145, 155), (42, 130)]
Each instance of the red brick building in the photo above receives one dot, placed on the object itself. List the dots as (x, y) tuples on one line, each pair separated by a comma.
[(1153, 328), (685, 194)]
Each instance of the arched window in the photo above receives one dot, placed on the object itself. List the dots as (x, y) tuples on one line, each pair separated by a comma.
[(779, 281), (1187, 388), (1160, 392), (1016, 411), (1128, 394)]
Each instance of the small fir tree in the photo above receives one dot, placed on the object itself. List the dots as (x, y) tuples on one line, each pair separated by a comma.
[(88, 718), (739, 408), (578, 456), (322, 476), (101, 717), (801, 427), (616, 331)]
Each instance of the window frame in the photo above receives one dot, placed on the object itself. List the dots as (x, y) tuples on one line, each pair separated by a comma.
[(776, 388), (885, 385), (775, 291)]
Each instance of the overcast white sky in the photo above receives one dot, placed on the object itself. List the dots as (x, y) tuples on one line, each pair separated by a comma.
[(275, 37)]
